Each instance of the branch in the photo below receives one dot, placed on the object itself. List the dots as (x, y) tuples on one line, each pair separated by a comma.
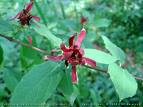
[(24, 44), (105, 71), (97, 68), (45, 52)]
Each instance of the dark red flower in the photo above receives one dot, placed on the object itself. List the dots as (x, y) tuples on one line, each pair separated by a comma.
[(83, 20), (73, 54), (25, 16)]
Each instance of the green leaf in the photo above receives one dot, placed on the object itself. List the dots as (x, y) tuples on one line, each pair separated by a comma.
[(124, 82), (10, 79), (1, 55), (74, 95), (43, 30), (38, 84), (5, 27), (99, 56), (66, 81), (114, 50), (11, 75), (10, 54), (102, 22), (28, 56), (3, 93)]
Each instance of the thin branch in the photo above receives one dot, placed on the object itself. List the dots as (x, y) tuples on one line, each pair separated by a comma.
[(24, 44), (138, 78), (105, 71), (45, 52), (96, 68)]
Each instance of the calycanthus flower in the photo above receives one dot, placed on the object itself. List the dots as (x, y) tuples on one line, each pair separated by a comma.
[(73, 54), (25, 16)]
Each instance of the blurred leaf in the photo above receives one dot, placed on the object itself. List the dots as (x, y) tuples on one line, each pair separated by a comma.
[(114, 50), (99, 56), (2, 91), (124, 82), (40, 12), (11, 74), (38, 84), (1, 55), (5, 27), (43, 30), (10, 79), (10, 54), (102, 22), (94, 97)]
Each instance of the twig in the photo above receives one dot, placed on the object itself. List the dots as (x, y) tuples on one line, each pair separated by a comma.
[(96, 68), (24, 44), (105, 71), (138, 78), (45, 52)]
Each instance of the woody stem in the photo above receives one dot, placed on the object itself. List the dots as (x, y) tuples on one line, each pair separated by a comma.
[(24, 44), (47, 53), (105, 71)]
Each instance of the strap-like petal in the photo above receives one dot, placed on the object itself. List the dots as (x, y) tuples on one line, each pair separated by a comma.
[(36, 18), (74, 75), (18, 15), (29, 6), (71, 40), (80, 37), (53, 58), (64, 48), (89, 61)]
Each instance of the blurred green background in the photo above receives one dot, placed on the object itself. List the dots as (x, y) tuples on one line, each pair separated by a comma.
[(119, 20)]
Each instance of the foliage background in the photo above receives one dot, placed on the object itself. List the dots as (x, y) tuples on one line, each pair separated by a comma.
[(121, 21)]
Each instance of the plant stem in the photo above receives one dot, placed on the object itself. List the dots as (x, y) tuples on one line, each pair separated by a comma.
[(105, 71), (24, 44), (96, 68), (47, 53)]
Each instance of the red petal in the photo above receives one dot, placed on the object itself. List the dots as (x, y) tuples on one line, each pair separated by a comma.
[(29, 39), (64, 48), (74, 75), (36, 18), (71, 40), (90, 62), (18, 15), (81, 51), (29, 6), (53, 58), (67, 55), (80, 37)]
